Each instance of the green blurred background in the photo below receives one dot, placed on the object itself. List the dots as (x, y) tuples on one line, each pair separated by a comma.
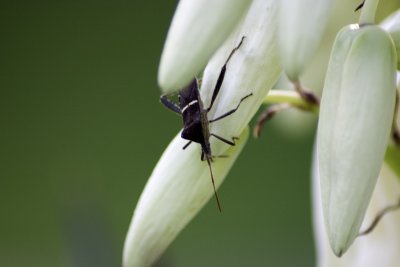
[(82, 128)]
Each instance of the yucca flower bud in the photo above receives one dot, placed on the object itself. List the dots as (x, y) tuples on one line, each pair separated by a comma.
[(178, 187), (199, 27), (301, 26), (380, 247), (355, 122), (392, 25)]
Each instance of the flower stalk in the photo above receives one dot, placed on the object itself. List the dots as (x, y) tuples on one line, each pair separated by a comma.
[(368, 12), (292, 98)]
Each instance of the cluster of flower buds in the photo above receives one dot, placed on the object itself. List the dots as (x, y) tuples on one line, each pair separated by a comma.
[(356, 112)]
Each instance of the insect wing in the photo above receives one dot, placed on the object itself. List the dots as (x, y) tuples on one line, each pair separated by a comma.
[(189, 98)]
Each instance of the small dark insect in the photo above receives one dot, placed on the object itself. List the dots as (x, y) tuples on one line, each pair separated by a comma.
[(194, 115)]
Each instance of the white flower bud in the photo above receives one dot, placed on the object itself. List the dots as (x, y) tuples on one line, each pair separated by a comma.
[(178, 188), (301, 26), (198, 28), (354, 126), (380, 247), (254, 68)]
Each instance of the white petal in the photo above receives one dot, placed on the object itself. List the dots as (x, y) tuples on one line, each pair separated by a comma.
[(301, 27), (379, 248), (254, 68), (197, 30), (178, 188)]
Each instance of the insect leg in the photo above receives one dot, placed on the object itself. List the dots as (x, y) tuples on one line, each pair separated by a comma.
[(232, 143), (187, 144), (203, 157), (222, 75), (231, 111), (169, 104), (359, 6)]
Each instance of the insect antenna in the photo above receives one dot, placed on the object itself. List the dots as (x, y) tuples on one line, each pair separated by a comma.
[(212, 179)]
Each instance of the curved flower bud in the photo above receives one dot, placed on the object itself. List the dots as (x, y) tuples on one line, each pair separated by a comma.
[(354, 126), (301, 26), (172, 197), (197, 30), (392, 26)]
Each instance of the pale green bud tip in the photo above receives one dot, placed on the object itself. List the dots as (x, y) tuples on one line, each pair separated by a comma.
[(197, 30), (354, 127), (392, 26), (178, 188)]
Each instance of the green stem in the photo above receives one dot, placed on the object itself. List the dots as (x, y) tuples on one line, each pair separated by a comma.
[(278, 96), (368, 12)]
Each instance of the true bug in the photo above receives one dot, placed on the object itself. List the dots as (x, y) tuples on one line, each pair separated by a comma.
[(194, 115)]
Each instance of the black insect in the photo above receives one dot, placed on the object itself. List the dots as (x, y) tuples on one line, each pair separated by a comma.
[(194, 115)]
